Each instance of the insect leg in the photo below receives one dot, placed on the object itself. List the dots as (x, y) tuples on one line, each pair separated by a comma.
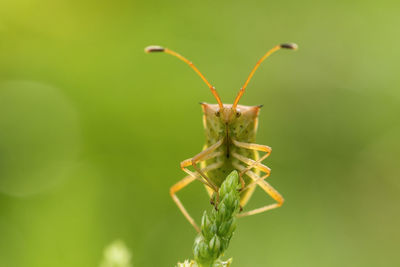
[(251, 185), (174, 189), (267, 188), (202, 156), (183, 183), (252, 164), (257, 147)]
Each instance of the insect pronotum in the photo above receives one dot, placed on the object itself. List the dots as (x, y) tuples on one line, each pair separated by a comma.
[(230, 145)]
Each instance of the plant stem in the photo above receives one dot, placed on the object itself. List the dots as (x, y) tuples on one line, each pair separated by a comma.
[(217, 226)]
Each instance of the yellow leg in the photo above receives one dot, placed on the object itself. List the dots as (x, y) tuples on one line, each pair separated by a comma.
[(264, 186), (252, 163), (174, 189), (183, 183), (202, 156)]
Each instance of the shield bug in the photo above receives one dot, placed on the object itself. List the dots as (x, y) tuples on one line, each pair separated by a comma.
[(230, 131)]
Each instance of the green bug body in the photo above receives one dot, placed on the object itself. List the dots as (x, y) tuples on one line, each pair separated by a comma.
[(241, 126), (230, 135)]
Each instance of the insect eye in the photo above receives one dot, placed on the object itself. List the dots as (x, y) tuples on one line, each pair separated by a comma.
[(238, 114), (217, 114)]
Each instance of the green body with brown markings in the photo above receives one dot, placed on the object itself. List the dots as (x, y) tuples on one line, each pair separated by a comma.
[(227, 124)]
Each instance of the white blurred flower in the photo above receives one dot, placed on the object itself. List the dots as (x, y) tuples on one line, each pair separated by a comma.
[(116, 255)]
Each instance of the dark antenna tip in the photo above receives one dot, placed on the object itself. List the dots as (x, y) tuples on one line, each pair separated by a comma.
[(154, 48), (289, 46)]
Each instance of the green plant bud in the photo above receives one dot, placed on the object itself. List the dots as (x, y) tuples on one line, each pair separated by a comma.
[(206, 226), (232, 228), (225, 227), (224, 244), (213, 228), (230, 200), (203, 250), (205, 221), (222, 191), (223, 212), (215, 245), (213, 214), (233, 179), (196, 251), (236, 203)]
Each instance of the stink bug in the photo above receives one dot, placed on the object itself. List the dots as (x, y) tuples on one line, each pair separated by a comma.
[(230, 135)]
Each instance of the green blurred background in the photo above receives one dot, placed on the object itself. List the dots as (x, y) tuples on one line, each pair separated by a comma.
[(92, 129)]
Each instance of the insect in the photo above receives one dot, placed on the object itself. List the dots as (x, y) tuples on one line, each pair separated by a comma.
[(230, 131)]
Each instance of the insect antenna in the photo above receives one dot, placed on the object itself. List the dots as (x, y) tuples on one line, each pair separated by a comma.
[(152, 48), (276, 48)]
